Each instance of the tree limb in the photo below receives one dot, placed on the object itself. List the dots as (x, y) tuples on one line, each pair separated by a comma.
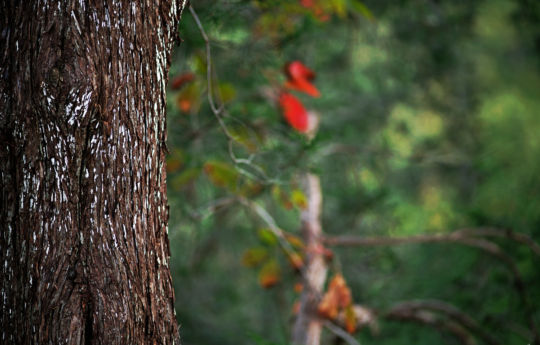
[(431, 319), (450, 311), (455, 236)]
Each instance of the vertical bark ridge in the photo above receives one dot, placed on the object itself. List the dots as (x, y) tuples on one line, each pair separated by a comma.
[(84, 248)]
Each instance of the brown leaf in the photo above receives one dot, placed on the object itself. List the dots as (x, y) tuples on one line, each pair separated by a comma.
[(343, 292), (350, 319), (328, 307), (338, 296), (270, 274), (295, 308), (298, 287), (296, 261), (181, 80), (254, 256)]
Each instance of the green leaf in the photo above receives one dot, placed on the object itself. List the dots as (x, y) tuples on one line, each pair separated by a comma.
[(339, 8), (253, 257), (243, 136), (362, 9), (198, 64), (226, 92), (281, 197), (222, 174), (267, 237), (299, 199)]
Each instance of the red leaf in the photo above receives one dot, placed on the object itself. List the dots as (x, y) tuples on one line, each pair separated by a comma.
[(316, 9), (307, 3), (182, 79), (300, 77), (304, 86), (297, 70), (294, 112)]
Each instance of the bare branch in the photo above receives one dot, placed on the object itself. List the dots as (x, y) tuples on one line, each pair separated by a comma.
[(450, 311), (388, 241), (211, 208), (215, 109), (272, 225), (455, 236), (431, 319), (220, 111), (504, 233)]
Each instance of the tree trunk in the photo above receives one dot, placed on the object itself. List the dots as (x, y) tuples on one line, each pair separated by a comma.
[(83, 208), (308, 326)]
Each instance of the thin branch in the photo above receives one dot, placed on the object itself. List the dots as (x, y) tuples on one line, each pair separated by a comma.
[(272, 225), (456, 236), (349, 339), (220, 110), (452, 312), (215, 109), (518, 237), (211, 208), (353, 241), (431, 319)]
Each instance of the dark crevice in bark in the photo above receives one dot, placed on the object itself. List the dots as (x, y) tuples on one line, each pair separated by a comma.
[(88, 319), (80, 264)]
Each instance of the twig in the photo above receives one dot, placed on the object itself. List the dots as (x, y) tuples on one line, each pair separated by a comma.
[(209, 76), (452, 312), (349, 339), (272, 225), (504, 233), (215, 109), (456, 236), (431, 319), (212, 207), (220, 110)]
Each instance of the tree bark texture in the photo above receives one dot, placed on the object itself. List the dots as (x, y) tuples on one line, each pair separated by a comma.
[(308, 326), (83, 208)]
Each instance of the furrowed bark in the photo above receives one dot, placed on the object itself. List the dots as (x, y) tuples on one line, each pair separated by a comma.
[(308, 326), (83, 208)]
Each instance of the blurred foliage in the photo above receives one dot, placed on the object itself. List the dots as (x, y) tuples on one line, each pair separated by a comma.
[(429, 123)]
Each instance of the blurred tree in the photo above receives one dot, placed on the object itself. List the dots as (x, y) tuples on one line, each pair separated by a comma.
[(426, 134), (83, 207)]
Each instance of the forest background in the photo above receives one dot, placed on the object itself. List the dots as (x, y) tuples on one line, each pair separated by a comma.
[(428, 124)]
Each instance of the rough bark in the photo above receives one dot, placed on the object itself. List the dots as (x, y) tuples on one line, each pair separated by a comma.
[(308, 326), (83, 209)]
